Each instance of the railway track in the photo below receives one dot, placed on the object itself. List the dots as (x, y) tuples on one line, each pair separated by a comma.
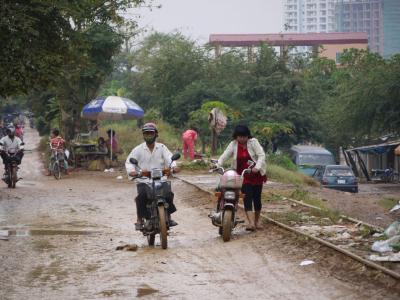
[(289, 214)]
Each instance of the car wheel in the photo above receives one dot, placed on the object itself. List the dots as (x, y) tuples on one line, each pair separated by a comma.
[(355, 190)]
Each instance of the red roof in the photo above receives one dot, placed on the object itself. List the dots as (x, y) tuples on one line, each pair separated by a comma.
[(289, 39)]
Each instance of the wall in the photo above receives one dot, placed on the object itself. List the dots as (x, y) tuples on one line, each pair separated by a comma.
[(330, 51)]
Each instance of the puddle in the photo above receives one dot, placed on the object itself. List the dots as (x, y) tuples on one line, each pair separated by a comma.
[(26, 183), (40, 232), (145, 290)]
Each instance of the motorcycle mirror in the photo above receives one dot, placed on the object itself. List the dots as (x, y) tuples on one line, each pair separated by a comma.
[(176, 156), (133, 161)]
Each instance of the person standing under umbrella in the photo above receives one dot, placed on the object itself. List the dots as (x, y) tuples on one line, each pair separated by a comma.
[(112, 143)]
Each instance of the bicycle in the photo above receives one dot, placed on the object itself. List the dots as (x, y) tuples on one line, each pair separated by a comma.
[(57, 162)]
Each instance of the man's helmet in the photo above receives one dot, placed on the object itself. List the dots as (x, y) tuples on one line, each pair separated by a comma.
[(149, 127), (10, 130)]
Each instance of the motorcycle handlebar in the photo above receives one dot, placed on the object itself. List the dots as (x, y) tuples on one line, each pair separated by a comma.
[(165, 172)]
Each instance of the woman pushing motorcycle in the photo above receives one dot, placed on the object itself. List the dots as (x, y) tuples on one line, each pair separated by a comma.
[(245, 149)]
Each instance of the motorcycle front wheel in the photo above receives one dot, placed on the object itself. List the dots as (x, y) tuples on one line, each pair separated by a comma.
[(227, 225), (14, 177), (163, 227), (150, 239)]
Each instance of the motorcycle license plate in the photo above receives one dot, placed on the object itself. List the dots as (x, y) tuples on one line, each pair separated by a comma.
[(341, 181)]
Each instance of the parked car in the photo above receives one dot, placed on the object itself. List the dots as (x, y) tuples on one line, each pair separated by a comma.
[(308, 158), (339, 177)]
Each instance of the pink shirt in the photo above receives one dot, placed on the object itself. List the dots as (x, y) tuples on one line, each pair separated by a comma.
[(114, 144), (190, 134)]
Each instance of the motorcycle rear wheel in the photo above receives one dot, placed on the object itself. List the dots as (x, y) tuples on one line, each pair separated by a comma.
[(150, 239), (227, 225), (163, 227)]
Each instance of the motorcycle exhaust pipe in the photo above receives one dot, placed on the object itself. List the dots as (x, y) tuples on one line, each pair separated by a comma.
[(216, 218)]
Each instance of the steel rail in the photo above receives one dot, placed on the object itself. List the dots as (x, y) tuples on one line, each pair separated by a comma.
[(321, 241)]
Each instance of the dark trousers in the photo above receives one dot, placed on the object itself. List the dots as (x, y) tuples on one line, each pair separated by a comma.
[(17, 157), (142, 200), (252, 196)]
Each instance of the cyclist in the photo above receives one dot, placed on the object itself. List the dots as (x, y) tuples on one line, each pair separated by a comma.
[(57, 144)]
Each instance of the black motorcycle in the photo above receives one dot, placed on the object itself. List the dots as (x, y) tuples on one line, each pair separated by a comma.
[(157, 191), (11, 168)]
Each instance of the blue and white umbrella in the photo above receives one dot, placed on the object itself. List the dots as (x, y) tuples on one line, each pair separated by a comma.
[(112, 108)]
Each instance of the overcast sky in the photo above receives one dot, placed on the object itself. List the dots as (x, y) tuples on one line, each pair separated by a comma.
[(200, 18)]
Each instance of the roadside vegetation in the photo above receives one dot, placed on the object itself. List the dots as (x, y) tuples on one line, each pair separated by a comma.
[(83, 53), (388, 203)]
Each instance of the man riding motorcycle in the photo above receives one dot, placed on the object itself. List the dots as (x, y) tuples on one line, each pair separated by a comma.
[(150, 155), (11, 144)]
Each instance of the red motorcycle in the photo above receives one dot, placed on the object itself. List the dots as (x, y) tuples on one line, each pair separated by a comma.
[(228, 193)]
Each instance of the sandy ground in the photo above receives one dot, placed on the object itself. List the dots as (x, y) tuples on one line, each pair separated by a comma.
[(64, 236)]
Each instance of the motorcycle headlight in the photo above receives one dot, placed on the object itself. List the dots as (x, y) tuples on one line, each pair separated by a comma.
[(156, 173), (229, 195)]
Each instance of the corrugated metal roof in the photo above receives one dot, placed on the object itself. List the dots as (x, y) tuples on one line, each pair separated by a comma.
[(310, 149), (371, 147), (285, 39)]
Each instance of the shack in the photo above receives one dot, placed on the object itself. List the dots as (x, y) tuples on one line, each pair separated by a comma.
[(365, 160)]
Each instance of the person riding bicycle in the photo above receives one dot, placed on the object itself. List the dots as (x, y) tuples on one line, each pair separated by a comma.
[(57, 144), (11, 144), (150, 155)]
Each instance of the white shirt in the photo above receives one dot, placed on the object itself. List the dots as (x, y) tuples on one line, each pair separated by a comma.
[(11, 145), (255, 150), (160, 158)]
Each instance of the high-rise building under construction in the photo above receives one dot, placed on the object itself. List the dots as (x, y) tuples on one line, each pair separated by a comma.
[(380, 19)]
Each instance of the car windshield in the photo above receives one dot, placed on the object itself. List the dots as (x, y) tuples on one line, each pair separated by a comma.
[(339, 172), (315, 159)]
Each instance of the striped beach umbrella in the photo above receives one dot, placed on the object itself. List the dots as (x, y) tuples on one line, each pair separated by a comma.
[(112, 108)]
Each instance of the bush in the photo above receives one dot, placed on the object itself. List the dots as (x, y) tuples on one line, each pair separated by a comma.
[(42, 126), (281, 160)]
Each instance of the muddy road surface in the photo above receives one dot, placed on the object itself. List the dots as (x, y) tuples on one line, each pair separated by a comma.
[(63, 237)]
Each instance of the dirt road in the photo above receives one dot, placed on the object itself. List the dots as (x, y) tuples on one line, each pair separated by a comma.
[(64, 235)]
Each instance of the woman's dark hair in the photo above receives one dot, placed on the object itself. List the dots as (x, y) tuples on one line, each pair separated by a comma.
[(195, 129), (241, 130), (110, 132), (101, 140), (55, 131)]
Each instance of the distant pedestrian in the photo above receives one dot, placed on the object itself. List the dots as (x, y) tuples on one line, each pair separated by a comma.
[(19, 132), (112, 144), (189, 138)]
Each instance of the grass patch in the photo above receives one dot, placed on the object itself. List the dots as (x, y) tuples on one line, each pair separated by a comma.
[(305, 196), (194, 165), (280, 174), (271, 197), (330, 214), (287, 217), (388, 203)]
